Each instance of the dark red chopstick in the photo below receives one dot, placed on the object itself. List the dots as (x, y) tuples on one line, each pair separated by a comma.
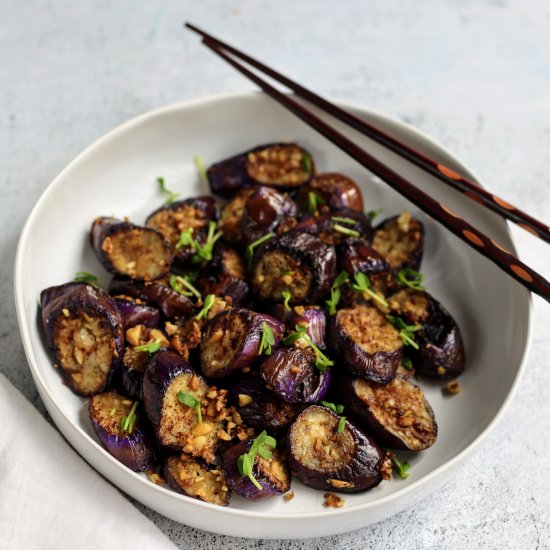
[(480, 242), (440, 171)]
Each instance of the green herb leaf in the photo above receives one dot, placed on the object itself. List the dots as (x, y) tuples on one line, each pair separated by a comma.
[(400, 468), (407, 276), (267, 340), (314, 201), (346, 230), (406, 332), (209, 301), (182, 286), (322, 362), (287, 296), (341, 425), (362, 284), (338, 409), (85, 277), (127, 422), (407, 363), (191, 401), (335, 293), (371, 214), (203, 252), (170, 195), (249, 252), (262, 446), (307, 163), (151, 347), (186, 238), (348, 221), (201, 168)]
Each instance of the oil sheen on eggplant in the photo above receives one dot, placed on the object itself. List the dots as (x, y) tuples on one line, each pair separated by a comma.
[(336, 191), (134, 313)]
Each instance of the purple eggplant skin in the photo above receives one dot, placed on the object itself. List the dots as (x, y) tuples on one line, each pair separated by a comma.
[(134, 314), (72, 299), (231, 216), (227, 177), (263, 211), (267, 411), (274, 481), (311, 263), (136, 449), (312, 317), (172, 304), (377, 363), (231, 340), (103, 236), (131, 382), (292, 374), (361, 464)]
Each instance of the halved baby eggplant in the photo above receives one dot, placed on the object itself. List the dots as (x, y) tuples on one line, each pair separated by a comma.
[(84, 329), (134, 313), (312, 317), (263, 211), (397, 414), (158, 294), (121, 429), (367, 344), (400, 240), (176, 424), (193, 478), (231, 217), (260, 408), (336, 190), (293, 375), (231, 340), (293, 262), (271, 473), (322, 458), (129, 250)]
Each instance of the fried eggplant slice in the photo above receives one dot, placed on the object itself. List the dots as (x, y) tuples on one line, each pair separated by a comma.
[(293, 262), (231, 217), (129, 250), (83, 327), (323, 458), (193, 478), (136, 313), (312, 317), (233, 340), (122, 430), (367, 344), (336, 191), (397, 414), (400, 240)]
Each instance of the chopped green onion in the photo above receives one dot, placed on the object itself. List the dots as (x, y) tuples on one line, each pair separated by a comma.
[(209, 301), (151, 347), (267, 340), (314, 201), (407, 276), (85, 277), (341, 425), (338, 409), (371, 214), (287, 296), (348, 221), (249, 252), (407, 363), (400, 468), (346, 230), (127, 422), (191, 401), (262, 446), (170, 195), (307, 163), (201, 168), (183, 286), (406, 332), (362, 284), (335, 293), (322, 362)]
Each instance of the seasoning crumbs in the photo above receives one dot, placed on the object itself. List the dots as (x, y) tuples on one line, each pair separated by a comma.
[(333, 501)]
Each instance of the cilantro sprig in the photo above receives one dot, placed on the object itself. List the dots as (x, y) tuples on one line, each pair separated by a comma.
[(171, 196), (307, 163), (407, 276), (201, 168), (267, 340), (286, 297), (314, 201), (209, 301), (191, 401), (182, 286), (400, 468), (362, 284), (322, 362), (336, 293), (406, 363), (406, 332), (127, 422), (203, 252), (249, 252), (85, 277), (262, 445), (337, 409), (371, 214)]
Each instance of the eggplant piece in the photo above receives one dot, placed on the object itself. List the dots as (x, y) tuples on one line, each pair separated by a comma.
[(324, 459), (129, 441), (225, 275), (176, 425), (129, 250), (283, 165), (312, 317), (397, 414), (83, 327), (336, 190), (158, 294), (400, 240), (263, 211), (171, 220), (191, 477), (294, 262), (231, 216), (367, 344), (260, 408), (232, 340), (292, 374), (134, 313), (272, 474)]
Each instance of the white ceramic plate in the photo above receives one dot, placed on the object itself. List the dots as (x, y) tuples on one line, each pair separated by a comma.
[(116, 176)]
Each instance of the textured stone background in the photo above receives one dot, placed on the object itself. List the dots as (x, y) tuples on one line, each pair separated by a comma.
[(474, 75)]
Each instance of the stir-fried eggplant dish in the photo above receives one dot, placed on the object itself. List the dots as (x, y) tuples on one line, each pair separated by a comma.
[(271, 332)]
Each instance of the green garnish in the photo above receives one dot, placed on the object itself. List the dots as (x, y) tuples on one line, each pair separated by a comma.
[(406, 332), (400, 468), (249, 252), (209, 301), (182, 286), (170, 195), (127, 422), (307, 163), (335, 292), (338, 409), (262, 446), (191, 401), (151, 347), (268, 340), (346, 230), (362, 284), (203, 252), (407, 363), (322, 362), (407, 276), (314, 201), (85, 277), (287, 296), (291, 338), (348, 221), (341, 425), (371, 214), (112, 412), (201, 168)]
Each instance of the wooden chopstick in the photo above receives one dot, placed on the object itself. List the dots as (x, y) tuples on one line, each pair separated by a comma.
[(438, 170), (469, 234)]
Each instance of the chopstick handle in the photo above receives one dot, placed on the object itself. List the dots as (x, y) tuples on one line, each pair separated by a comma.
[(440, 171), (462, 229)]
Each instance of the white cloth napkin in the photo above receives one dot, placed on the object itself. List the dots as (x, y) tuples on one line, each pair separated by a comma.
[(50, 498)]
